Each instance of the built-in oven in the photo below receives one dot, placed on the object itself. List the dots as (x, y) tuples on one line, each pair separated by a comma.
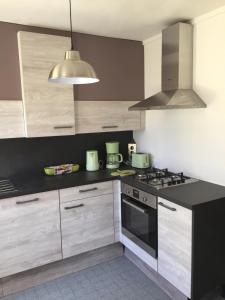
[(139, 218)]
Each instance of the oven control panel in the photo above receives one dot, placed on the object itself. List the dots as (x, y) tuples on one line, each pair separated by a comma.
[(141, 196)]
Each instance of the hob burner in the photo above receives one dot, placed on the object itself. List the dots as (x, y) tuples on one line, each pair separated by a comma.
[(162, 178)]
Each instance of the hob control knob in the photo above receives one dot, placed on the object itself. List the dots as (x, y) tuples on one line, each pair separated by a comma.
[(144, 199), (128, 192)]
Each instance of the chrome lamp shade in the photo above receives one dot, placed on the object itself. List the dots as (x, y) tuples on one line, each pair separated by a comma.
[(73, 70)]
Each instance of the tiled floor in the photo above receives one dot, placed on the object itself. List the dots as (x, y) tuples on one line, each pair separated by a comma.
[(117, 279)]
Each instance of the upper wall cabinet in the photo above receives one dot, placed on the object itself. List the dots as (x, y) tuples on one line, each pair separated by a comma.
[(11, 116), (103, 116), (48, 107)]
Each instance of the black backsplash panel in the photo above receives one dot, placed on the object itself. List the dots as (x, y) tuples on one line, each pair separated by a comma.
[(28, 156)]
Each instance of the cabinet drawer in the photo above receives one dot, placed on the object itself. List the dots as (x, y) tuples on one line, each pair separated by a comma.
[(29, 232), (87, 224), (175, 244), (85, 191)]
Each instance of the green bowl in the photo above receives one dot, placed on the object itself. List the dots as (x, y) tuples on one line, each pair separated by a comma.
[(75, 168), (50, 171)]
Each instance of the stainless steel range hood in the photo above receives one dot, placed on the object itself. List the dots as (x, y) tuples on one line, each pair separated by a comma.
[(177, 72)]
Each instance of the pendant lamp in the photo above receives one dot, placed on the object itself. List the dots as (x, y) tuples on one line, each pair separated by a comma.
[(72, 70)]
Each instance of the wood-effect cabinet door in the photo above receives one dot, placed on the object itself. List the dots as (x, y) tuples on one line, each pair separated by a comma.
[(175, 244), (87, 224), (12, 121), (29, 232), (117, 209), (103, 116), (85, 191), (48, 107)]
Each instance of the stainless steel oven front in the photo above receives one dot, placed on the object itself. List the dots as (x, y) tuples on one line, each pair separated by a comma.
[(139, 218)]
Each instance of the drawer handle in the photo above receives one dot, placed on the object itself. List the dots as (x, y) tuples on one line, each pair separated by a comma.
[(74, 206), (63, 127), (27, 201), (88, 190), (167, 206), (110, 126)]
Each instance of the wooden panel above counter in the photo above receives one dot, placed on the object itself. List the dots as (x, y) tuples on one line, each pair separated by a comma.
[(100, 116), (11, 116)]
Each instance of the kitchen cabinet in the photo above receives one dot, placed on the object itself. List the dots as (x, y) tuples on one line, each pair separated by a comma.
[(117, 209), (86, 191), (29, 232), (87, 223), (48, 107), (11, 115), (175, 244), (103, 116)]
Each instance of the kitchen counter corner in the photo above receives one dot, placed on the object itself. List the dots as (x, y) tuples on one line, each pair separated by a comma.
[(193, 194)]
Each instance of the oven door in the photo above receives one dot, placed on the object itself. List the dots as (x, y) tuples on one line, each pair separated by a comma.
[(139, 224)]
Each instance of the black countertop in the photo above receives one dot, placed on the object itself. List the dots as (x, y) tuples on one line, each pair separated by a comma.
[(188, 195), (193, 194), (38, 184)]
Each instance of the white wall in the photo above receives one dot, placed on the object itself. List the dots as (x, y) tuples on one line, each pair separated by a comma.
[(191, 140)]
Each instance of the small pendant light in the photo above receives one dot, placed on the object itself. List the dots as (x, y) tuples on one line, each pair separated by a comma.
[(72, 70)]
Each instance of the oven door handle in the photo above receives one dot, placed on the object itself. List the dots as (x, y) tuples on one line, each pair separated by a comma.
[(134, 206)]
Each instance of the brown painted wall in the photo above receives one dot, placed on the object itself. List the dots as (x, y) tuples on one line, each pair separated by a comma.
[(119, 64)]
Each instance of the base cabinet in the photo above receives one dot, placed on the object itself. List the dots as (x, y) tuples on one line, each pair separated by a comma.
[(175, 244), (29, 232), (38, 229), (117, 209), (87, 224)]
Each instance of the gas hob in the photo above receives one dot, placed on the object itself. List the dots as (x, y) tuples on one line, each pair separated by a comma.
[(162, 178)]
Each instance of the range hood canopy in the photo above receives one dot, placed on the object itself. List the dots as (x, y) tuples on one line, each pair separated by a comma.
[(177, 72)]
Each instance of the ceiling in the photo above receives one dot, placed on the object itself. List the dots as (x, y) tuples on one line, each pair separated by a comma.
[(129, 19)]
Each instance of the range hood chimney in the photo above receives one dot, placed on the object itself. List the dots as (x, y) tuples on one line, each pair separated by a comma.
[(177, 72)]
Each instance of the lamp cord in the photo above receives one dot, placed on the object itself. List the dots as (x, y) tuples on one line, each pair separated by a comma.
[(71, 27)]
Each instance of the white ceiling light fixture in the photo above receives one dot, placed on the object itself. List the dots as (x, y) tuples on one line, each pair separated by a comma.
[(72, 70)]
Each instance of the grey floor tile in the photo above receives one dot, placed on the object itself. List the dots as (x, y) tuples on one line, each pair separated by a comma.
[(118, 279)]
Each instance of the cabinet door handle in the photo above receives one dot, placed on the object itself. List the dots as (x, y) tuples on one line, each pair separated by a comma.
[(27, 201), (63, 127), (110, 126), (167, 206), (74, 206), (88, 190)]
